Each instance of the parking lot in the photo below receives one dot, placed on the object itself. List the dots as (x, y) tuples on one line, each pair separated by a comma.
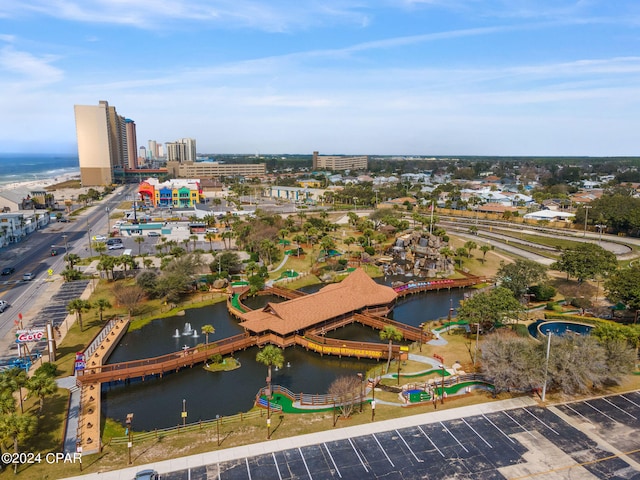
[(589, 439)]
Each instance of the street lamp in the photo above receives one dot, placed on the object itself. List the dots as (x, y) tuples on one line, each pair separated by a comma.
[(442, 395), (184, 412), (108, 223), (218, 427), (421, 332), (586, 215), (128, 422), (361, 377), (89, 238), (546, 366), (600, 228)]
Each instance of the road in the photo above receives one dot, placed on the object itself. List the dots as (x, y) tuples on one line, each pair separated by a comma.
[(33, 254)]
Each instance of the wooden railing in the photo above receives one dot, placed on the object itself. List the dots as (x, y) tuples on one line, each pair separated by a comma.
[(408, 332), (283, 292), (345, 348), (165, 363), (425, 286)]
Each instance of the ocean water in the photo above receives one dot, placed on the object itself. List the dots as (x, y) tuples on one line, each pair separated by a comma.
[(27, 167)]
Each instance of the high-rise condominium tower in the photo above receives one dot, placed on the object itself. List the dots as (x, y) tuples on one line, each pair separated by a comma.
[(105, 143)]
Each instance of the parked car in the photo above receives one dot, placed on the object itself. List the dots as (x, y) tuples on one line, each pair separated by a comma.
[(114, 241), (8, 270), (64, 220), (27, 277), (212, 230), (99, 238), (147, 475), (154, 234), (3, 305), (115, 246)]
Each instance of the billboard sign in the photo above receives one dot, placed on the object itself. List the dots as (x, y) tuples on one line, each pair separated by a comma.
[(30, 335)]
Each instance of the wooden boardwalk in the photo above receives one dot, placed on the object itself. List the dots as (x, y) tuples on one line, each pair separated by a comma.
[(312, 339)]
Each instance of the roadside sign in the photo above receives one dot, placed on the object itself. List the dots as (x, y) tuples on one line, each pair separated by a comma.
[(50, 271)]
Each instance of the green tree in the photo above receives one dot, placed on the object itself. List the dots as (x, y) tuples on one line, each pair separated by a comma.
[(520, 275), (78, 306), (14, 380), (490, 309), (624, 286), (17, 428), (485, 249), (139, 241), (99, 247), (391, 334), (270, 355), (210, 237), (585, 261), (42, 385), (208, 330), (101, 304), (194, 239)]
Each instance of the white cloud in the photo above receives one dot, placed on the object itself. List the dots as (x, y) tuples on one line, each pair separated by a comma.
[(26, 67)]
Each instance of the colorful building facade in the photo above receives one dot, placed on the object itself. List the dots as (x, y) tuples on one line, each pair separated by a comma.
[(179, 193)]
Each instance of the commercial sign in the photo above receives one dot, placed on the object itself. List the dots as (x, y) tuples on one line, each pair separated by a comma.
[(30, 335)]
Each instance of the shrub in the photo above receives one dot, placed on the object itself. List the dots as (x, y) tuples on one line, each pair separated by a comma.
[(542, 293), (217, 358)]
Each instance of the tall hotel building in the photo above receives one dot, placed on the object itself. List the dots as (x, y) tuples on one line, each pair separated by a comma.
[(106, 143), (181, 151)]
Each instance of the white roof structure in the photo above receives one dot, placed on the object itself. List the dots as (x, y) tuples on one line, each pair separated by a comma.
[(549, 215)]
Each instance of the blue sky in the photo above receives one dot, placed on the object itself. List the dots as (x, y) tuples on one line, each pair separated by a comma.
[(404, 77)]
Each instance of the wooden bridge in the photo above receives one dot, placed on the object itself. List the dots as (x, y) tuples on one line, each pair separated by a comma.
[(430, 285), (169, 363)]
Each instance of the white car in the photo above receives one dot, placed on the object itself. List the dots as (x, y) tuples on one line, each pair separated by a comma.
[(27, 277), (116, 246), (3, 305), (99, 238)]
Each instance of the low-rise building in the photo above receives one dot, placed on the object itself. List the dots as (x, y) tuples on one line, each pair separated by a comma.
[(177, 193)]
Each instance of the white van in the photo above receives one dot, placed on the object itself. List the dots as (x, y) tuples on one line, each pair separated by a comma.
[(127, 252)]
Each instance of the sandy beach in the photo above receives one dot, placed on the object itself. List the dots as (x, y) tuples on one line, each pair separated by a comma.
[(41, 182)]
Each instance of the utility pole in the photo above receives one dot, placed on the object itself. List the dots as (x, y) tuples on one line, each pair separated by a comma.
[(586, 215), (546, 366)]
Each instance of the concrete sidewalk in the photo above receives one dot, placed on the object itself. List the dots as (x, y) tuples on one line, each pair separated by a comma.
[(267, 447)]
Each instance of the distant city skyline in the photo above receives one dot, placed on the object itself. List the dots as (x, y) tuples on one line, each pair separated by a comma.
[(384, 77)]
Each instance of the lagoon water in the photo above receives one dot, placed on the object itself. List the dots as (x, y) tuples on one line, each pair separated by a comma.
[(157, 403)]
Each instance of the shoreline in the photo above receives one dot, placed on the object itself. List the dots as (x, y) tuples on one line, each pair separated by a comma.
[(43, 182)]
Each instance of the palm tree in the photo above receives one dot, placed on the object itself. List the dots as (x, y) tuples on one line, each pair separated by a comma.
[(392, 334), (14, 380), (42, 385), (99, 247), (194, 239), (210, 237), (17, 428), (270, 356), (208, 329), (102, 304), (139, 241), (484, 249), (77, 306)]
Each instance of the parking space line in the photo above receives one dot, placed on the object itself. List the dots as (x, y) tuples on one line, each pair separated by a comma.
[(630, 401), (358, 455), (454, 437), (578, 413), (305, 464), (500, 430), (430, 441), (407, 445), (332, 461), (538, 419), (246, 460), (616, 406), (519, 424), (601, 412), (474, 431), (383, 450), (275, 461)]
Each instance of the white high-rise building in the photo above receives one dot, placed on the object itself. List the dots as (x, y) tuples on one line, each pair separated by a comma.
[(183, 150)]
